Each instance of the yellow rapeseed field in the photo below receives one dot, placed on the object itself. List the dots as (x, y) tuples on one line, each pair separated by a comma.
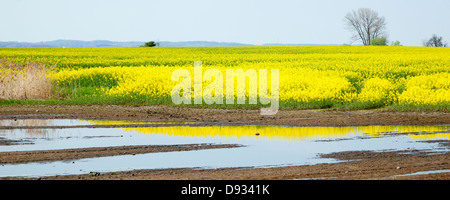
[(309, 77)]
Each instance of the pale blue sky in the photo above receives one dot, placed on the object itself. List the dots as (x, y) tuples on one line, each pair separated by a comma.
[(252, 22)]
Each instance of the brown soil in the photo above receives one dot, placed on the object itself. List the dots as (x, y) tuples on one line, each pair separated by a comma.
[(4, 141), (374, 165), (225, 116)]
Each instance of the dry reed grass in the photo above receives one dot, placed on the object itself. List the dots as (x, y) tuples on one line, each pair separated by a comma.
[(31, 80)]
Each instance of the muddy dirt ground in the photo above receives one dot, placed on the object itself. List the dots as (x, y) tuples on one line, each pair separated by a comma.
[(225, 116), (369, 165)]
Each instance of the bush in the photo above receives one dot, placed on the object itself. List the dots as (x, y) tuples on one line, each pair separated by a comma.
[(150, 44), (379, 41), (396, 43), (435, 41)]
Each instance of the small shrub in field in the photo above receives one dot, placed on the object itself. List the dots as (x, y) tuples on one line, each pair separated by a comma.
[(379, 41)]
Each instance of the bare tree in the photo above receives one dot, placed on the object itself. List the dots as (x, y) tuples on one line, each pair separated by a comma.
[(435, 41), (366, 23)]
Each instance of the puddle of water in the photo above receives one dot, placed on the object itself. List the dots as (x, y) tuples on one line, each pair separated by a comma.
[(73, 122), (275, 145), (427, 172)]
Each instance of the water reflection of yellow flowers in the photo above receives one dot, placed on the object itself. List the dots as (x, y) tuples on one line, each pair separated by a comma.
[(295, 133)]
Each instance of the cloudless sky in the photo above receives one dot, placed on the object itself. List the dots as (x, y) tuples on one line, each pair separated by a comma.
[(243, 21)]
